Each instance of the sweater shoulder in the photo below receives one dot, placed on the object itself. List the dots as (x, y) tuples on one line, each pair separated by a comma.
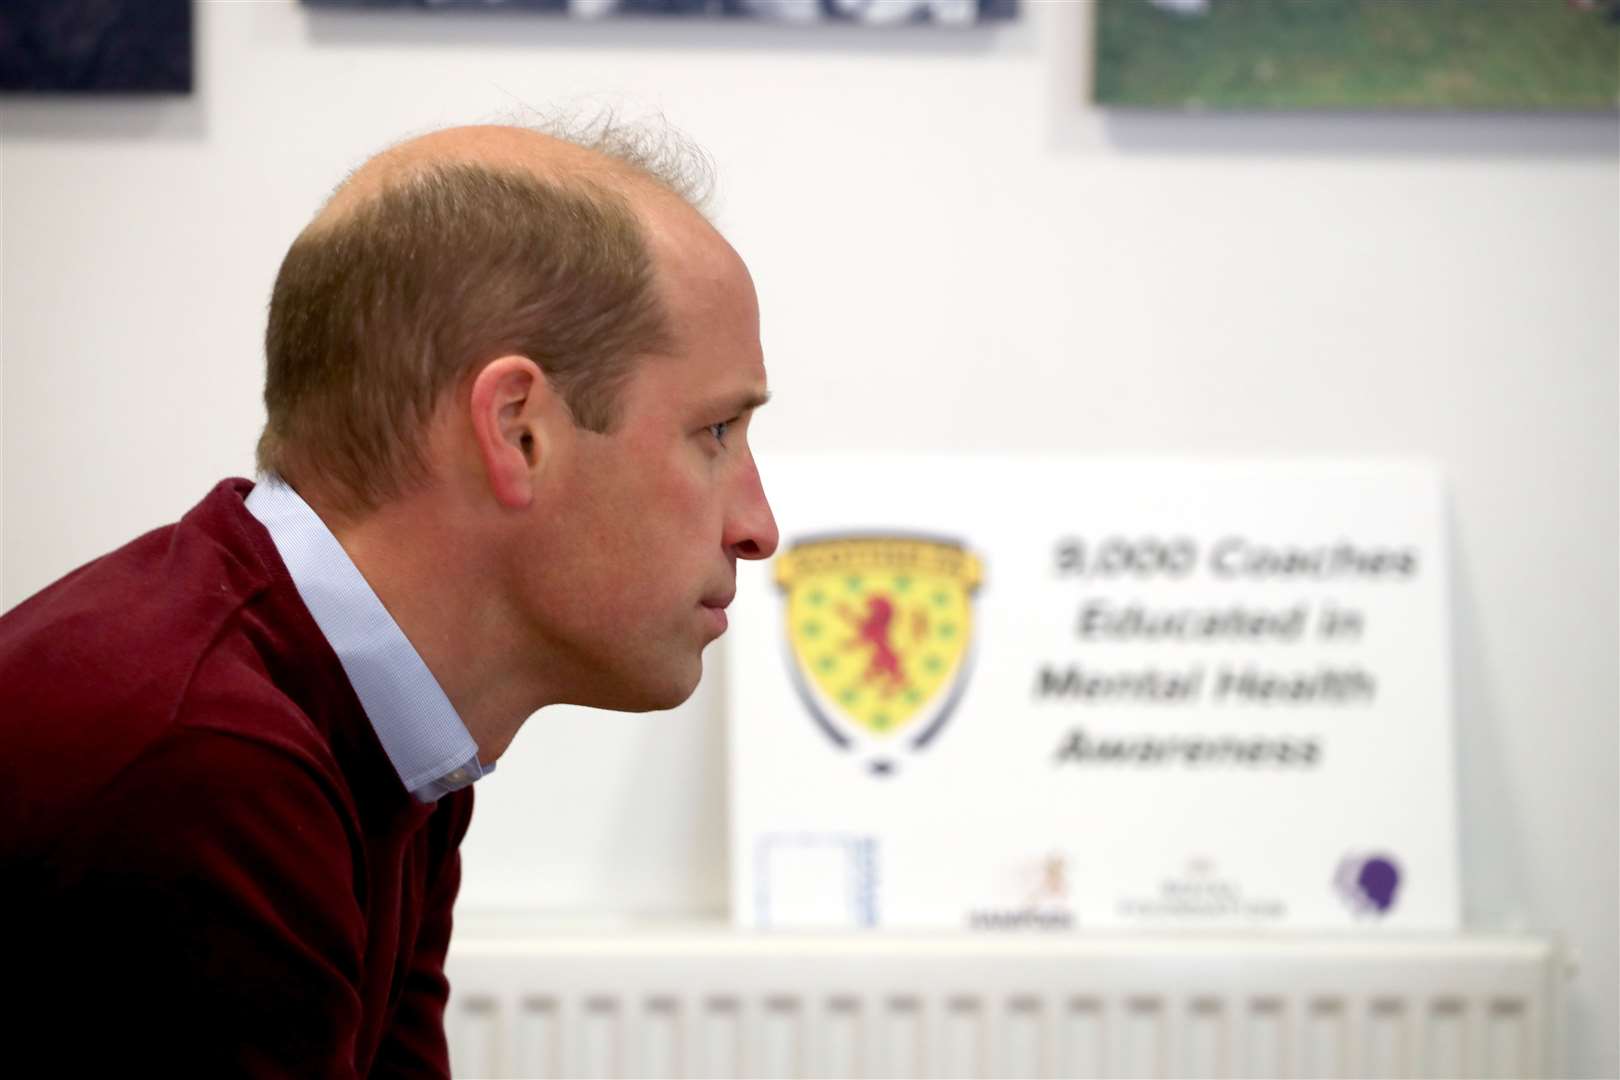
[(97, 667)]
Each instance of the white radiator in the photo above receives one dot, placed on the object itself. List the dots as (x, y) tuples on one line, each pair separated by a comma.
[(702, 1002)]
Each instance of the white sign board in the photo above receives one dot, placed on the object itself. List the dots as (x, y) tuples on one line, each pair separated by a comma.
[(1002, 692)]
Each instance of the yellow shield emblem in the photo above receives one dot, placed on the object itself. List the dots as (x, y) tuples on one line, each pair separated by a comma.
[(880, 630)]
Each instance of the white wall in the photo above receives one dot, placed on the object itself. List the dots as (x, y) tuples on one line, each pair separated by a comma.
[(953, 250)]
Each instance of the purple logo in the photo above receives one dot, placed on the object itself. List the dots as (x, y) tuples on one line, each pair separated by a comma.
[(1368, 883)]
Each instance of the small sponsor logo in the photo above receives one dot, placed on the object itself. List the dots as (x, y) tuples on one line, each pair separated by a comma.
[(1368, 883), (1200, 893), (1045, 884)]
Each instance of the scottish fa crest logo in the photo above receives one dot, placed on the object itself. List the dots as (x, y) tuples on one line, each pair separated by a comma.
[(880, 629)]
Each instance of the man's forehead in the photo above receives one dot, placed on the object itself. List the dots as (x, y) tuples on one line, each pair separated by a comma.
[(708, 380), (699, 276), (683, 242)]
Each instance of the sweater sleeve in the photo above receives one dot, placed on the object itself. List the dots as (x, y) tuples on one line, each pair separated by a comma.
[(203, 907), (414, 1044)]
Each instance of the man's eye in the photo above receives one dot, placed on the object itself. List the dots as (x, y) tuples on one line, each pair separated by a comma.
[(719, 431)]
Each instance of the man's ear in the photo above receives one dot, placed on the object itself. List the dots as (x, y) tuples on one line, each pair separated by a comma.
[(510, 403)]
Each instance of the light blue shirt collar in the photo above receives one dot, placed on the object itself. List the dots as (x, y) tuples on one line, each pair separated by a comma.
[(420, 732)]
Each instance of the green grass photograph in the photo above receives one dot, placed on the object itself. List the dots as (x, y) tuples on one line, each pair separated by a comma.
[(1359, 54)]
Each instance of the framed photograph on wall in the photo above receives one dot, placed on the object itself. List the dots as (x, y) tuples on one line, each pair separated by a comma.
[(860, 12), (1358, 54), (96, 46)]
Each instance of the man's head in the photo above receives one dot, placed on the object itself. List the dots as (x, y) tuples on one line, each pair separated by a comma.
[(532, 340), (433, 258)]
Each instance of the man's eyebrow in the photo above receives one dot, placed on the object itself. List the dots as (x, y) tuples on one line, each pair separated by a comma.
[(736, 406)]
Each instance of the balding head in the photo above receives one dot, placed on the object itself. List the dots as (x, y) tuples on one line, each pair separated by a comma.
[(549, 158), (451, 249)]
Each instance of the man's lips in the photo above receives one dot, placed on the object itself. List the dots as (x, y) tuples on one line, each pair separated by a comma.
[(715, 606)]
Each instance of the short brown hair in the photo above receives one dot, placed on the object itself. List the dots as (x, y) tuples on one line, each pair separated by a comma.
[(375, 315)]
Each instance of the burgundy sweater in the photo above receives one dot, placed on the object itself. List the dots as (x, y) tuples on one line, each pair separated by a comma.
[(207, 863)]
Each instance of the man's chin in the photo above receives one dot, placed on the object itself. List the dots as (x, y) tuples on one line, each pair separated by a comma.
[(636, 693)]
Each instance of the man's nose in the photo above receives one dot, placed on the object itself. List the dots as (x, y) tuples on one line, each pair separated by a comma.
[(751, 531)]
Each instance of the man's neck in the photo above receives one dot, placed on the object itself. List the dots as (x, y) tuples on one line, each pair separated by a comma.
[(416, 560)]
